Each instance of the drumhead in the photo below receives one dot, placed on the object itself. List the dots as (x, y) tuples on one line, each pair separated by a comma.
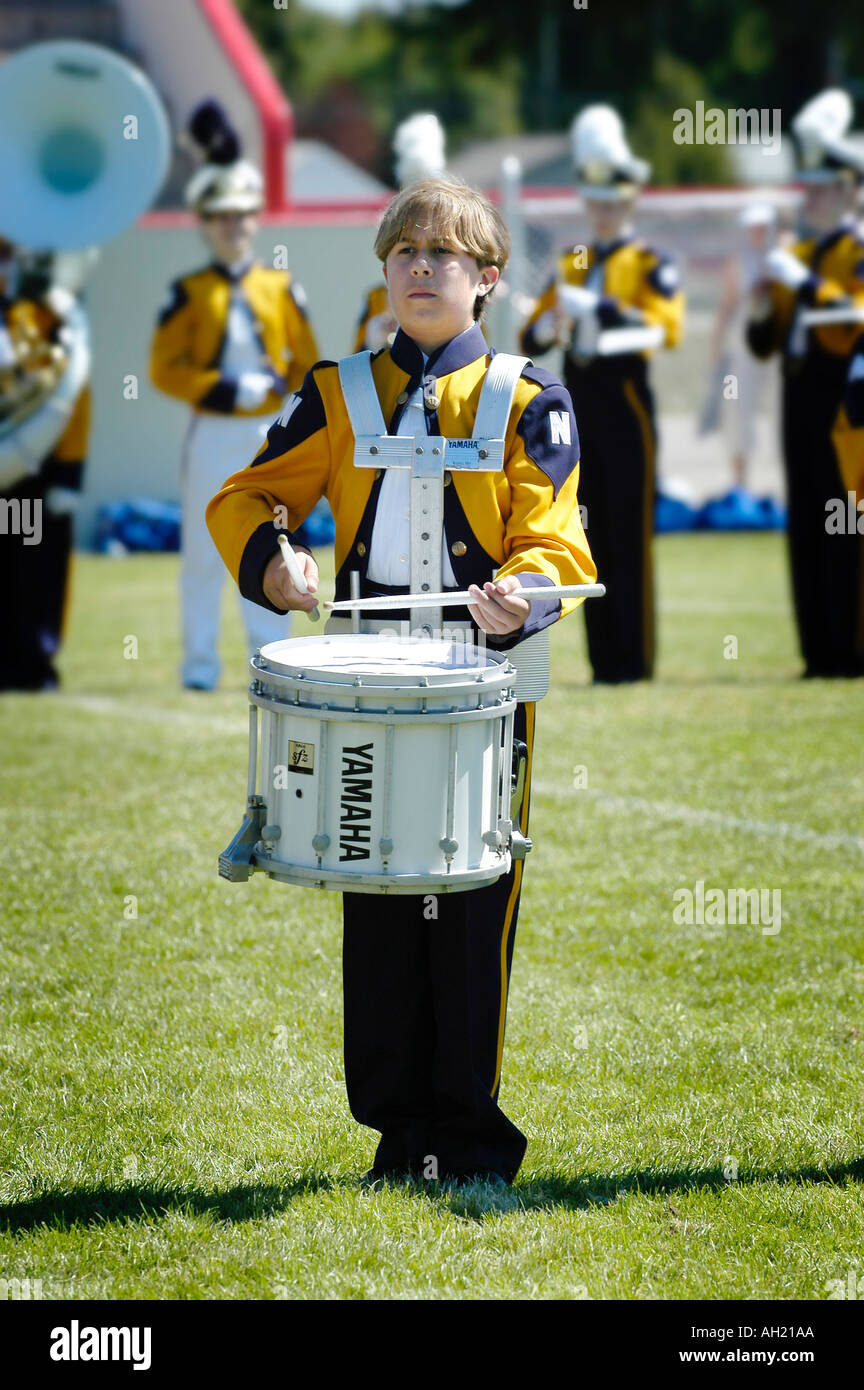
[(375, 658)]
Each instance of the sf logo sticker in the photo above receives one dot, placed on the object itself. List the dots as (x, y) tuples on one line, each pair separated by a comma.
[(301, 757)]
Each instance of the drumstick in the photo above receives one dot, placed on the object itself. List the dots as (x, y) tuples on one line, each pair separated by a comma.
[(298, 578), (459, 600)]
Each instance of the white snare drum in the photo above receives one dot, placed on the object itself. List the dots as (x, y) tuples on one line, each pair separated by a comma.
[(377, 765)]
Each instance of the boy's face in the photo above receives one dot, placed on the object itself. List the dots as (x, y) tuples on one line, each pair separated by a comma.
[(229, 234), (607, 217), (826, 204), (433, 285)]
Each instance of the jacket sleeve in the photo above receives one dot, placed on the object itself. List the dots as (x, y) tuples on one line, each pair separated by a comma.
[(661, 299), (538, 334), (847, 287), (64, 466), (301, 339), (275, 493), (366, 313), (172, 369), (544, 539)]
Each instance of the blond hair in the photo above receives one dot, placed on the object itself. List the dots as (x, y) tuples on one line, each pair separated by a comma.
[(455, 213)]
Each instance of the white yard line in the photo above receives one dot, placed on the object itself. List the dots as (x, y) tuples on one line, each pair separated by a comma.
[(697, 815), (131, 708), (625, 805)]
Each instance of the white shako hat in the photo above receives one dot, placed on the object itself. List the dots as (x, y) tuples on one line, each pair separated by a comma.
[(225, 182), (419, 147), (605, 167), (818, 130)]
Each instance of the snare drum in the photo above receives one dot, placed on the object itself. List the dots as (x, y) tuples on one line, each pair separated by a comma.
[(377, 765)]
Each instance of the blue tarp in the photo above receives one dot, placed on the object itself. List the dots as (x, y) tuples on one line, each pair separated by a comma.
[(144, 524)]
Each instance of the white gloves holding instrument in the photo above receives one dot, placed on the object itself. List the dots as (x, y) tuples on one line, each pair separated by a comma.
[(253, 388), (783, 268)]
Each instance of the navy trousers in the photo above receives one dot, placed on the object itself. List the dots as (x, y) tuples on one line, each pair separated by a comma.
[(425, 984)]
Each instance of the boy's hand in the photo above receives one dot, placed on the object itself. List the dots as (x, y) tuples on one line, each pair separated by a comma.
[(495, 610), (277, 584)]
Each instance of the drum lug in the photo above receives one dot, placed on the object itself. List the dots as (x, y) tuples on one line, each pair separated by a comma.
[(449, 847), (520, 845), (493, 838), (235, 862), (320, 843)]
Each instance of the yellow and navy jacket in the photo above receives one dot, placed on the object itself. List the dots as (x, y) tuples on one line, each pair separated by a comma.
[(848, 432), (637, 285), (522, 520), (191, 330), (63, 466), (836, 265), (377, 302)]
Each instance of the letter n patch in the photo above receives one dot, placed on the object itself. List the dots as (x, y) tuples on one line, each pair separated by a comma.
[(559, 427)]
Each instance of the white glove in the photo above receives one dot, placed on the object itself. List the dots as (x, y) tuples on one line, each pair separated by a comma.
[(62, 501), (545, 329), (785, 269), (253, 388), (576, 301), (379, 330)]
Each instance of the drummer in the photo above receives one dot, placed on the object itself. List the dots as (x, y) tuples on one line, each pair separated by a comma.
[(426, 980)]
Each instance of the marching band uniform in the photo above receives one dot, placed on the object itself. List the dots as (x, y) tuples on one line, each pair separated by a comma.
[(848, 437), (848, 432), (425, 1000), (229, 342), (625, 284), (373, 323), (817, 272), (34, 576)]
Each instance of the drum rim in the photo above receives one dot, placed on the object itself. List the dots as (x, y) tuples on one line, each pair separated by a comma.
[(495, 668)]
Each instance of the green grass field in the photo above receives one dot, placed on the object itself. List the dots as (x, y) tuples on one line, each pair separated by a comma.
[(174, 1123)]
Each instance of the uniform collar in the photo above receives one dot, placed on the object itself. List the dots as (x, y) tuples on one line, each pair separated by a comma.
[(604, 249), (828, 239), (234, 272), (450, 357)]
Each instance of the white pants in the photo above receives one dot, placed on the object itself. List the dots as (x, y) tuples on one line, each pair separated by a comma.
[(215, 448)]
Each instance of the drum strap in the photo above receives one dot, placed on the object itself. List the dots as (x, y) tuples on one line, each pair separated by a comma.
[(427, 457)]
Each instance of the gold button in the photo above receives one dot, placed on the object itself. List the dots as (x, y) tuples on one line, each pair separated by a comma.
[(447, 479), (431, 402), (459, 548), (361, 549), (402, 398)]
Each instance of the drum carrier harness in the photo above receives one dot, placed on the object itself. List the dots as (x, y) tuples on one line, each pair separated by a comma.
[(427, 457)]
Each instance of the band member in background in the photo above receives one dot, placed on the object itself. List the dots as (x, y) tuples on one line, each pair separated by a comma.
[(425, 1000), (44, 426), (730, 353), (822, 270), (615, 285), (231, 341), (848, 437), (419, 148)]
